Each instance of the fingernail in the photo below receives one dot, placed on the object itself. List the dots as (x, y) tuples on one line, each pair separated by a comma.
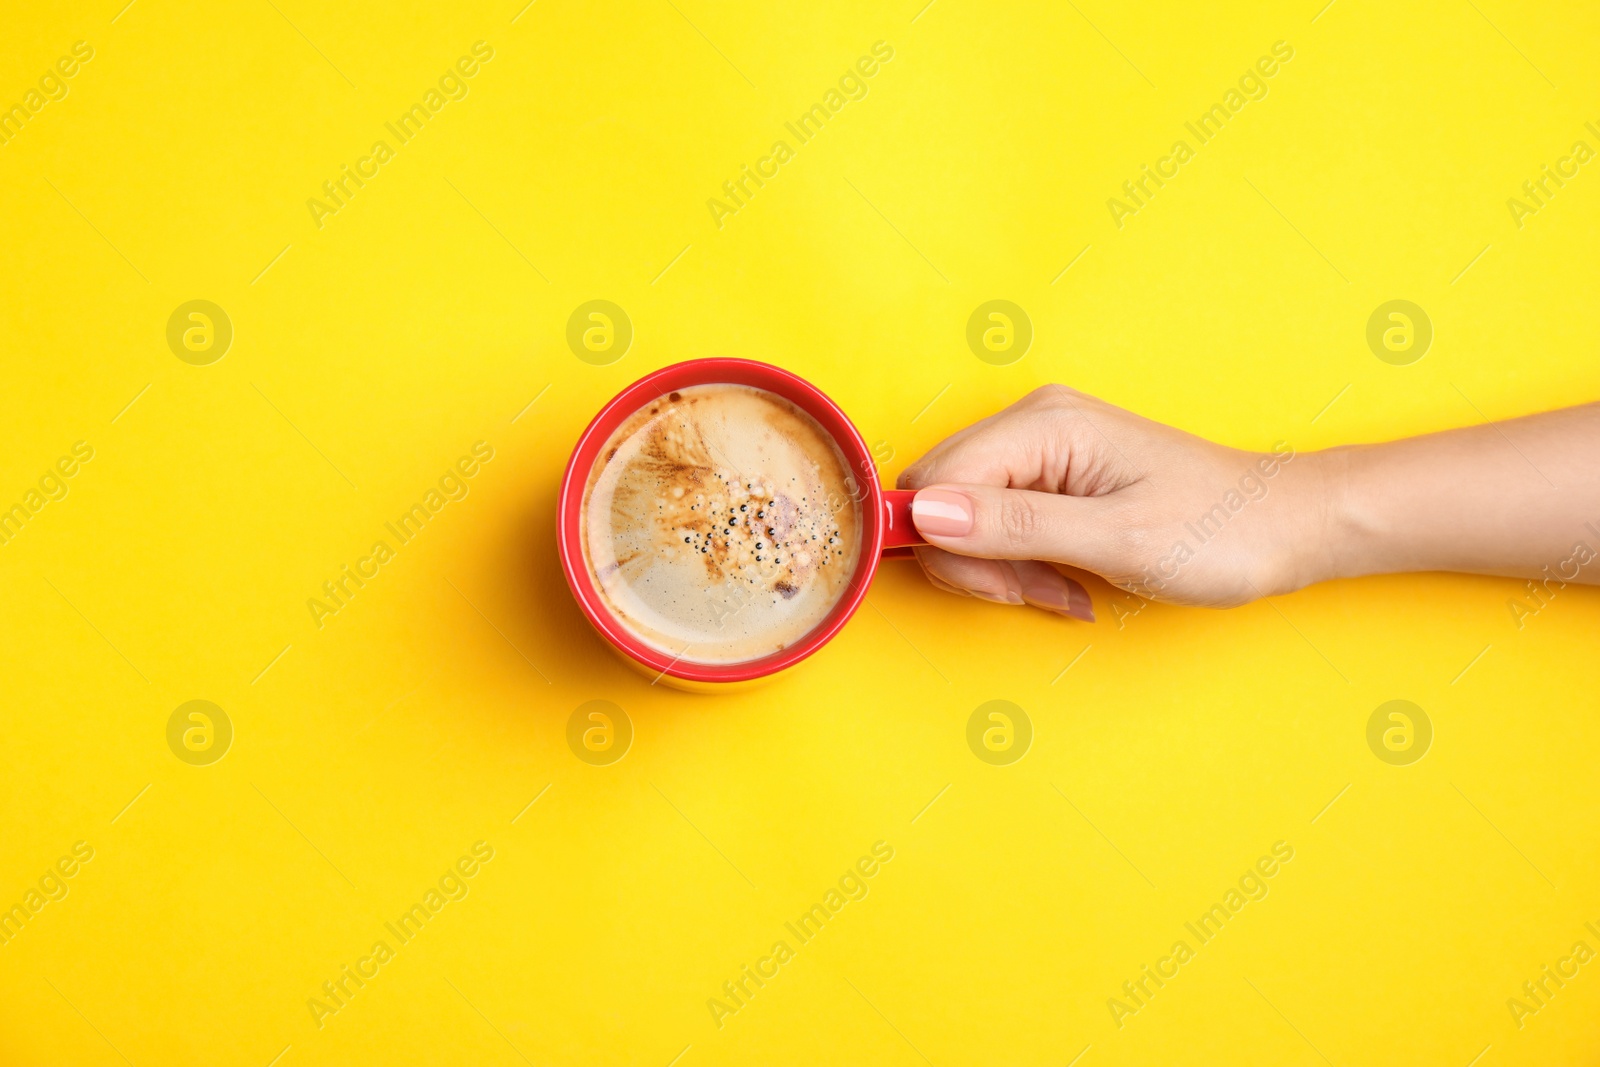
[(1007, 597), (942, 513), (1073, 603), (944, 586)]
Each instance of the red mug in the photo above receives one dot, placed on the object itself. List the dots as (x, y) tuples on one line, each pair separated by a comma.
[(886, 528)]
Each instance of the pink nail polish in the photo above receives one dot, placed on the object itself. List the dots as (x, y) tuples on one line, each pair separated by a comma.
[(1074, 603), (942, 513)]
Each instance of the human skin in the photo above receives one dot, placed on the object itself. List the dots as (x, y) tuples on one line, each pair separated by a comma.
[(1061, 477)]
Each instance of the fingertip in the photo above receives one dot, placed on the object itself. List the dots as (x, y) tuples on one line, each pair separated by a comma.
[(1047, 588), (1077, 614), (1082, 605), (987, 579), (944, 586)]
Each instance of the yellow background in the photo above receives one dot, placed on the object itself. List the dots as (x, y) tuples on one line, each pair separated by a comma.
[(425, 715)]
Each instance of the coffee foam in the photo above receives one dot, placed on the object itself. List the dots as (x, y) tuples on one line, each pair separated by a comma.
[(719, 525)]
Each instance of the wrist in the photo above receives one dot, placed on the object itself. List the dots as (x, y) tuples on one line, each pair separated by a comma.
[(1319, 519)]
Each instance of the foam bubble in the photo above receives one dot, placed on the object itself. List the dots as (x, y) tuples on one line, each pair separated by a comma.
[(719, 524)]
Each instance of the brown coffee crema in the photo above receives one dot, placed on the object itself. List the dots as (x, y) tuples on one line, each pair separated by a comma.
[(719, 524)]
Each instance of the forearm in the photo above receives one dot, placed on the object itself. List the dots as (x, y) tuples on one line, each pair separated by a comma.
[(1519, 498)]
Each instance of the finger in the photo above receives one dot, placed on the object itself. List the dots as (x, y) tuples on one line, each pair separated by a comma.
[(1019, 524), (986, 579), (1054, 439), (991, 428), (1047, 588), (1009, 582), (999, 450), (942, 585)]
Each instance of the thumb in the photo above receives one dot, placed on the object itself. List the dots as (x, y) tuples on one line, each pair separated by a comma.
[(994, 523)]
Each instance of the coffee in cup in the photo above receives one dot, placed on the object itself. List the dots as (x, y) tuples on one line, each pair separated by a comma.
[(720, 523)]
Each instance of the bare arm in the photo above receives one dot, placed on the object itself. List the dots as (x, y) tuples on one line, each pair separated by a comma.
[(1518, 498), (1063, 478)]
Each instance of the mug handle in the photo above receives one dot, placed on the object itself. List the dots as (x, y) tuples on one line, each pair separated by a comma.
[(899, 533)]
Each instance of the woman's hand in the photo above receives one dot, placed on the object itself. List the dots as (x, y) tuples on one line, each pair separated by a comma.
[(1061, 477)]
